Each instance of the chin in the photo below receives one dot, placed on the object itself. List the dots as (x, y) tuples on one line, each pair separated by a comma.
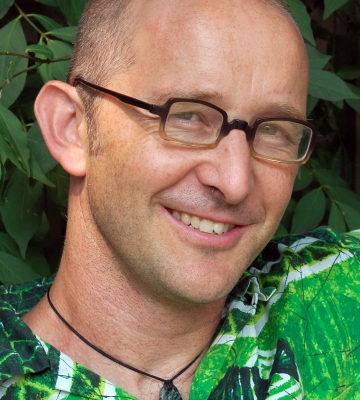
[(205, 289)]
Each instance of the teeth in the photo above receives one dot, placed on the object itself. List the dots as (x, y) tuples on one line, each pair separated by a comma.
[(195, 222), (185, 218), (176, 215), (204, 225), (218, 228)]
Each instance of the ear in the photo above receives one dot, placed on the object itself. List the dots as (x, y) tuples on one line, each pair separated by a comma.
[(61, 117)]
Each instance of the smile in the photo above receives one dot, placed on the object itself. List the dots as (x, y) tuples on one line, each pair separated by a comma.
[(203, 225)]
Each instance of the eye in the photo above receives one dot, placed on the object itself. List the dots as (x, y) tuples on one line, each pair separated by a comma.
[(190, 122), (269, 129), (188, 116)]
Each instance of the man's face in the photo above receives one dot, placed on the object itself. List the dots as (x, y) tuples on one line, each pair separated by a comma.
[(243, 56)]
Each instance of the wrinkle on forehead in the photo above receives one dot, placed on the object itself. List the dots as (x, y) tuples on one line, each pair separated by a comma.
[(213, 29), (160, 97), (209, 48)]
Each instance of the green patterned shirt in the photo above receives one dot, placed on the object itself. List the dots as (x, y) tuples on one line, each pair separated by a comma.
[(290, 330)]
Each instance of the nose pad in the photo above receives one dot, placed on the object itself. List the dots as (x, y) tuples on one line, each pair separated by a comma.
[(237, 124)]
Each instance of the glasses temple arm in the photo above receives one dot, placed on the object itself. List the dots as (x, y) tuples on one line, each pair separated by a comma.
[(119, 96)]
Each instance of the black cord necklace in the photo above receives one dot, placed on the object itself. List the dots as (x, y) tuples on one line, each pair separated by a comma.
[(168, 392)]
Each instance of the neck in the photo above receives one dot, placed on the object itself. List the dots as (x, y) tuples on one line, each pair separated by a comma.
[(158, 336)]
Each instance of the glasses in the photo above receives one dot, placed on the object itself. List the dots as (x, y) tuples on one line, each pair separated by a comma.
[(200, 124)]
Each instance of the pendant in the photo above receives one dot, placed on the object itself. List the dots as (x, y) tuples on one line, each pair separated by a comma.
[(169, 392)]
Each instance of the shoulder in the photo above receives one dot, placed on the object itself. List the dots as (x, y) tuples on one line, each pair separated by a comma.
[(317, 244), (21, 298), (292, 322), (20, 350), (305, 256), (316, 276)]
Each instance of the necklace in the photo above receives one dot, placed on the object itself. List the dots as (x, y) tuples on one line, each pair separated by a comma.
[(168, 392)]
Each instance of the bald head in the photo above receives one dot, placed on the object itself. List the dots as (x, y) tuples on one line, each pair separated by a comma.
[(104, 40), (113, 32)]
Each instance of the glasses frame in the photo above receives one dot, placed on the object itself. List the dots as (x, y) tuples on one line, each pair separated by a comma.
[(163, 110)]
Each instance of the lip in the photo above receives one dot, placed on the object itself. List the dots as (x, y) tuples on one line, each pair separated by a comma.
[(225, 240)]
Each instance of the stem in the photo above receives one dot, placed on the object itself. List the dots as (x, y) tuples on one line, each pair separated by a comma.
[(22, 14), (32, 58), (36, 59), (47, 61), (6, 81)]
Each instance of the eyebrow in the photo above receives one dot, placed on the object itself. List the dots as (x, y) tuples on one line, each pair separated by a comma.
[(163, 97), (286, 110), (281, 109)]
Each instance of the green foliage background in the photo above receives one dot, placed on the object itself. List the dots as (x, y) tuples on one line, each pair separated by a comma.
[(35, 48)]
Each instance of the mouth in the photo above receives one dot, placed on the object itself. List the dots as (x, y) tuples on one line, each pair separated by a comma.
[(202, 224)]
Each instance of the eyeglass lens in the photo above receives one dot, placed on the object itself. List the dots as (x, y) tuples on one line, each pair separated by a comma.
[(282, 140), (193, 123), (198, 124)]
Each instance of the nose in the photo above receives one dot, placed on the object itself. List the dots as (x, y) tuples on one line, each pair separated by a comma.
[(229, 167)]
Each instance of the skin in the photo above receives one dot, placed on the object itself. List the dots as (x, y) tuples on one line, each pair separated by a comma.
[(133, 279)]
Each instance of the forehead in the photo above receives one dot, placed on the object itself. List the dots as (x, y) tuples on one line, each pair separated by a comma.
[(220, 47)]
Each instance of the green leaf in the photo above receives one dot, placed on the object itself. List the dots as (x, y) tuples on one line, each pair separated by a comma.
[(48, 23), (303, 178), (40, 49), (336, 219), (22, 209), (60, 193), (8, 245), (4, 6), (13, 140), (72, 10), (60, 49), (329, 178), (289, 212), (317, 60), (44, 69), (39, 149), (337, 162), (303, 19), (44, 72), (344, 196), (37, 261), (309, 211), (37, 173), (311, 104), (281, 231), (351, 216), (349, 72), (355, 104), (67, 33), (2, 176), (13, 270), (13, 66), (339, 104), (331, 6), (51, 3), (12, 40), (34, 256), (3, 156), (42, 231), (326, 85)]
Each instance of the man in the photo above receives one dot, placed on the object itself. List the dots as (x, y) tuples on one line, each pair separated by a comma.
[(168, 208)]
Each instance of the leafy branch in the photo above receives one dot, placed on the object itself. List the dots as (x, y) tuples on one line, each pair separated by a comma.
[(38, 61), (35, 59), (23, 15)]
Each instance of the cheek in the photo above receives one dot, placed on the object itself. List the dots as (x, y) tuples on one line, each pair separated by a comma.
[(277, 184), (136, 161)]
